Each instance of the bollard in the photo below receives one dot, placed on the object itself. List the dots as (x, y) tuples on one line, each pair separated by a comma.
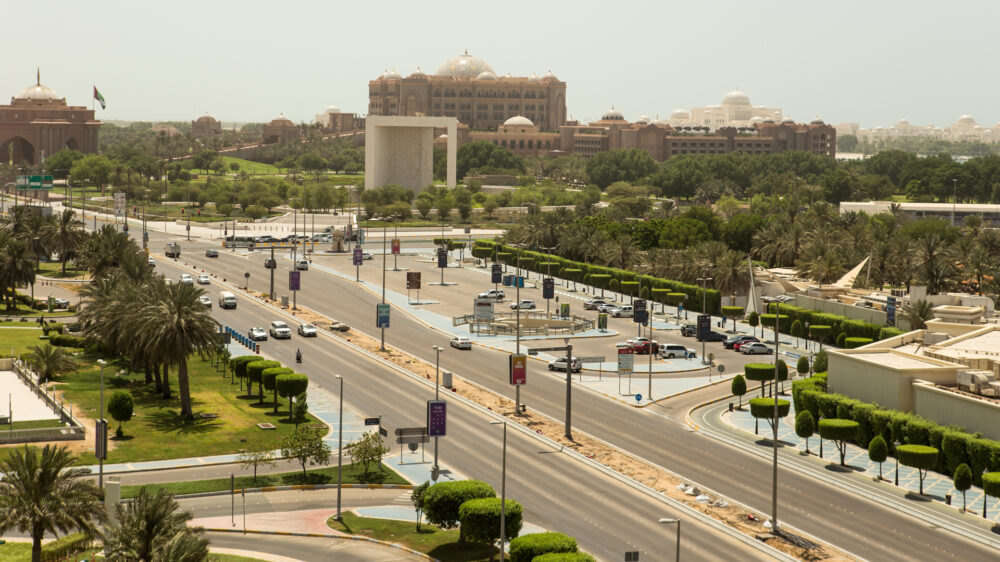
[(730, 406), (947, 499)]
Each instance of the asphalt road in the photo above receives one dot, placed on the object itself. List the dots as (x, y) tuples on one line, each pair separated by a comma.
[(311, 548), (659, 434)]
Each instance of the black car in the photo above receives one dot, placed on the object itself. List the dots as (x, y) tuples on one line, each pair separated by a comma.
[(211, 253), (713, 336), (689, 330), (733, 340)]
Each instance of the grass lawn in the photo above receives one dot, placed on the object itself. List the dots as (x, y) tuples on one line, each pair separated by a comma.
[(33, 424), (440, 544), (21, 552), (250, 166), (54, 270), (24, 311), (326, 475), (17, 340), (156, 430)]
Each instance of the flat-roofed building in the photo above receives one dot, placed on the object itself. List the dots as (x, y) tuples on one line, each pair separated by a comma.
[(952, 212)]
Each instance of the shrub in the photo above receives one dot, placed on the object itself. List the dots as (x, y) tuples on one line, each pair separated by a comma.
[(768, 320), (564, 557), (862, 413), (291, 385), (120, 407), (920, 457), (918, 431), (802, 365), (732, 311), (480, 519), (68, 341), (955, 446), (629, 287), (963, 480), (764, 372), (443, 500), (840, 432), (897, 423), (65, 547), (881, 423), (828, 404), (819, 333), (525, 548), (991, 484), (269, 380), (805, 426), (841, 339), (739, 387), (851, 343), (878, 451), (255, 373), (764, 408), (239, 365), (820, 362)]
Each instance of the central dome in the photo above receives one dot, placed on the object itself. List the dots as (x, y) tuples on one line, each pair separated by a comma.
[(38, 92), (519, 120), (463, 66), (736, 97)]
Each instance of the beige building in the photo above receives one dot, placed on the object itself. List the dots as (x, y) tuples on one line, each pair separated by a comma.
[(205, 126), (735, 111), (281, 129), (335, 121), (964, 129)]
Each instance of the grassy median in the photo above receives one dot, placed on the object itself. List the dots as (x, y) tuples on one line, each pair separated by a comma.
[(438, 543)]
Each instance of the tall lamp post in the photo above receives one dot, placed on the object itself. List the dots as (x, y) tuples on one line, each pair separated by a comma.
[(954, 198), (677, 546), (503, 489), (340, 442), (100, 457), (384, 233), (437, 389), (704, 306)]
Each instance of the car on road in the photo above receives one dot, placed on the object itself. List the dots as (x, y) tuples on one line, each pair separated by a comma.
[(739, 345), (279, 330), (302, 265), (642, 346), (673, 350), (211, 253), (59, 303), (367, 256), (206, 301), (559, 364), (733, 340), (497, 295), (204, 279), (713, 336), (593, 304), (525, 304), (606, 307), (265, 239), (187, 279), (623, 311), (755, 348), (689, 330), (461, 343), (257, 334), (307, 330), (151, 262)]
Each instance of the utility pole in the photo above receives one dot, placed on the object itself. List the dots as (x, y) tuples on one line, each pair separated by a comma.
[(704, 280), (774, 426), (384, 234), (272, 265), (437, 389)]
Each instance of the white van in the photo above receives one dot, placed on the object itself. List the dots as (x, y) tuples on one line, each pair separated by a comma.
[(227, 300)]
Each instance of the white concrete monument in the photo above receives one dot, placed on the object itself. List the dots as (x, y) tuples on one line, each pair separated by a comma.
[(401, 150)]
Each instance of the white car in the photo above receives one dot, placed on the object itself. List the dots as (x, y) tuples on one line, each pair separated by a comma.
[(593, 304), (204, 279), (461, 343), (497, 295), (187, 279), (257, 334), (525, 304), (605, 307), (302, 265), (205, 300), (280, 330), (151, 262), (672, 350), (367, 256), (307, 330), (560, 364), (623, 311), (755, 348)]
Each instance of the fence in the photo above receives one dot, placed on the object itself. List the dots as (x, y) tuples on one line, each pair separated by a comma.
[(73, 432), (492, 327)]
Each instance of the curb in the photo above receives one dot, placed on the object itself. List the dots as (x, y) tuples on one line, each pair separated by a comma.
[(343, 537), (299, 487), (658, 400)]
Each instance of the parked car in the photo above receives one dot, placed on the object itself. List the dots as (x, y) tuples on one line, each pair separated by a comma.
[(733, 340), (623, 311), (525, 304), (151, 262), (302, 265), (59, 303), (307, 330), (560, 364), (642, 346), (205, 300), (606, 307), (673, 350), (689, 330), (593, 304), (257, 334), (461, 343), (739, 345), (367, 256), (187, 279), (204, 279), (280, 330), (211, 253), (713, 336), (496, 294), (755, 348)]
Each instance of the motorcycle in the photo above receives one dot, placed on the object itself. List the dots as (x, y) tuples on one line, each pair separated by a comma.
[(298, 356)]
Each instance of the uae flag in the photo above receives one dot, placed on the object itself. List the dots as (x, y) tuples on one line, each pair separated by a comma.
[(100, 98)]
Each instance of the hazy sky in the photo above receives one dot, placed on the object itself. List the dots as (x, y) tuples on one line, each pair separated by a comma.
[(870, 62)]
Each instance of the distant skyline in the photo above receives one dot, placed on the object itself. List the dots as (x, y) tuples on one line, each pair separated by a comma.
[(867, 62)]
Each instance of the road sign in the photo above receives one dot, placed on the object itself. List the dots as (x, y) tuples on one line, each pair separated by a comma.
[(383, 431), (358, 256), (602, 321), (294, 280), (626, 360), (496, 273), (639, 312), (721, 368), (413, 280), (638, 398), (120, 202), (395, 245), (483, 309), (632, 556), (518, 369), (414, 435), (36, 182), (101, 445), (704, 325), (548, 288), (371, 421), (442, 256), (564, 310), (437, 418), (382, 315)]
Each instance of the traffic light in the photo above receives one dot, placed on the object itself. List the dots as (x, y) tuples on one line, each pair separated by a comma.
[(199, 212), (182, 210)]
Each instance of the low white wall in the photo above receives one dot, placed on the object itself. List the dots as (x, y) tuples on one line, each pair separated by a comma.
[(946, 408)]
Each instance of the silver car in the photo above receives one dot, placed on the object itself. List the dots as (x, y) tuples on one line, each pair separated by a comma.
[(755, 348), (307, 330), (461, 343), (257, 334), (187, 279), (204, 279), (205, 300), (280, 331)]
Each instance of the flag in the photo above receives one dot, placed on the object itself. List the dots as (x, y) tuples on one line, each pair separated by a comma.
[(100, 98)]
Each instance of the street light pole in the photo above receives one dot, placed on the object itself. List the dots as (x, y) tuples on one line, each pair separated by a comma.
[(437, 390), (677, 551), (100, 458), (384, 227), (774, 426), (340, 442), (503, 490), (517, 336), (704, 306), (954, 198)]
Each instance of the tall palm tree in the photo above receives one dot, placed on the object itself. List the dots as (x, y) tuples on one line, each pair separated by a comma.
[(732, 274), (979, 263), (66, 236), (918, 313), (17, 268), (48, 361), (170, 324), (152, 528), (104, 249), (41, 493), (620, 250)]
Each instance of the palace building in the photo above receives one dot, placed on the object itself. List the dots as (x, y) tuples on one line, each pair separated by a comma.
[(38, 123)]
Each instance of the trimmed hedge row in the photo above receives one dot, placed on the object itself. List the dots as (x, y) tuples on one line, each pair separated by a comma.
[(68, 341), (526, 547), (955, 444), (838, 324), (65, 547), (567, 268)]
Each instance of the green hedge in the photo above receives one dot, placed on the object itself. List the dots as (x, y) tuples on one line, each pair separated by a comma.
[(991, 483), (837, 323), (764, 408), (65, 547), (525, 548), (442, 501), (564, 557), (838, 430), (732, 311), (923, 457), (480, 519), (767, 320), (851, 343), (68, 341)]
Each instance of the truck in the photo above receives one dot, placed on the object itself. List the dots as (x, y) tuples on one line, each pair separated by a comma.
[(173, 250)]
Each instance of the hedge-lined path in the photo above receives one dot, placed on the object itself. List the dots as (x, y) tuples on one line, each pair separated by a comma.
[(936, 486)]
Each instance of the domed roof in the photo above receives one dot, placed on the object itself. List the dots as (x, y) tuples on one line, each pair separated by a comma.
[(767, 120), (206, 118), (282, 121), (903, 123), (332, 109), (659, 122), (680, 114), (550, 75), (736, 97), (533, 78), (817, 121), (643, 120), (788, 121), (966, 119), (38, 91), (418, 73), (463, 66), (612, 115), (486, 75), (519, 120), (387, 74)]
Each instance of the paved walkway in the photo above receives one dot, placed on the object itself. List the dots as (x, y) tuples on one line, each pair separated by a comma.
[(23, 404), (936, 486)]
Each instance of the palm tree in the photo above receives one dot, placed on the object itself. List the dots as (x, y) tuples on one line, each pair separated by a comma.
[(152, 528), (918, 313), (66, 236), (104, 249), (49, 361), (170, 324), (17, 268), (42, 494), (619, 250), (979, 263), (732, 273)]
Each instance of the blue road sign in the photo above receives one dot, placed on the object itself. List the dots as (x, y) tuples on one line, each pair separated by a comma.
[(638, 398), (382, 315)]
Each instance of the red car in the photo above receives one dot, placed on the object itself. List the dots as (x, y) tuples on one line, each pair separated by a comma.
[(751, 339), (642, 346)]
